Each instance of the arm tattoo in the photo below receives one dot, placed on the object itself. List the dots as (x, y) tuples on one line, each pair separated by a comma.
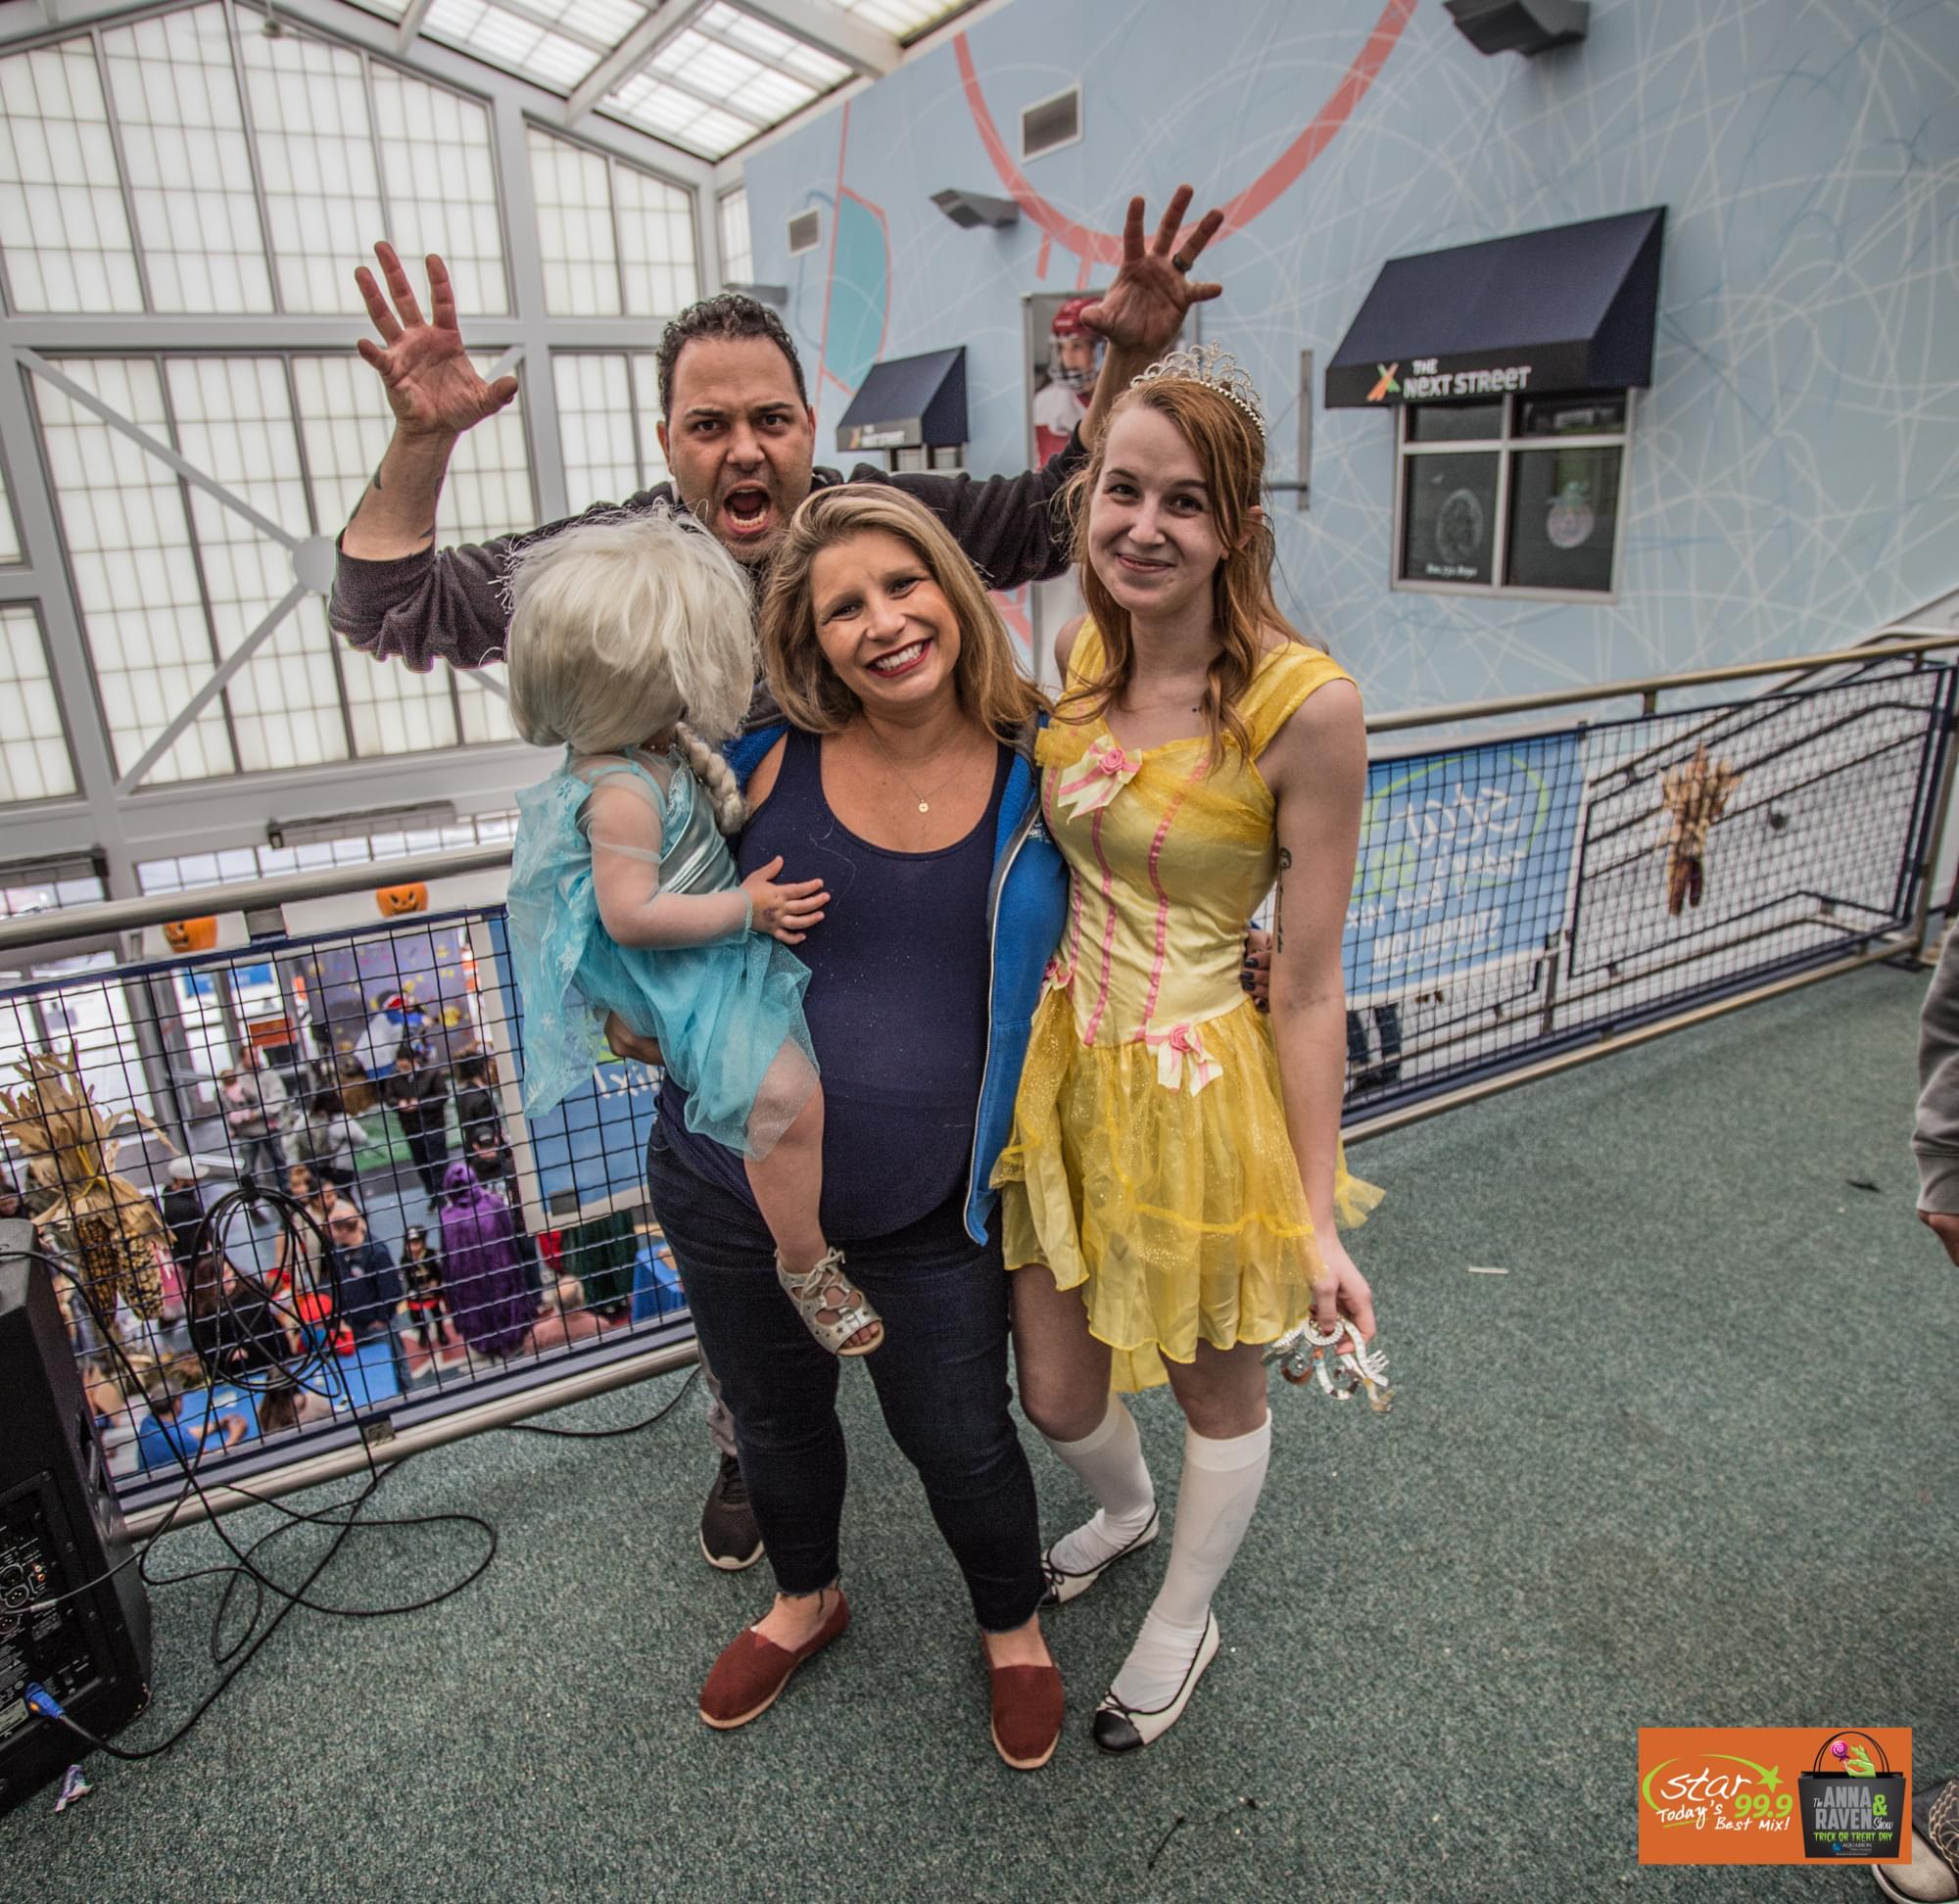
[(374, 487), (1279, 901)]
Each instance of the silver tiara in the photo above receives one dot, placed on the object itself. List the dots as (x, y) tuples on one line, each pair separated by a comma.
[(1213, 365)]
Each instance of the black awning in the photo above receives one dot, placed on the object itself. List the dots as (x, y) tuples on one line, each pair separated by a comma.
[(1568, 309), (907, 403)]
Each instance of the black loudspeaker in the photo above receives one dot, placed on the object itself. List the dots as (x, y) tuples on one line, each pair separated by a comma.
[(1527, 26), (60, 1531)]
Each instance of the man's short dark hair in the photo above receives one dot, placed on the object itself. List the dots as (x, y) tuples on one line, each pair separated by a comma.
[(728, 315)]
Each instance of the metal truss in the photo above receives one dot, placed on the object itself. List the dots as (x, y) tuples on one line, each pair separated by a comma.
[(113, 817)]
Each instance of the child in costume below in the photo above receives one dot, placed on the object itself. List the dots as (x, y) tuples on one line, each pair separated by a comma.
[(1171, 1189), (622, 894)]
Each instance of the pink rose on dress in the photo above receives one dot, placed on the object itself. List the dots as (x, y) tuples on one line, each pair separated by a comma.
[(1179, 1053), (1096, 778)]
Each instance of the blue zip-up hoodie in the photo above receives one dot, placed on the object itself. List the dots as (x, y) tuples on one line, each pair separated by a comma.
[(1026, 908)]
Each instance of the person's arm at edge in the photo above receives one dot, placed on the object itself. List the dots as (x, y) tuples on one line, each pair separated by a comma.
[(1318, 768), (1935, 1139)]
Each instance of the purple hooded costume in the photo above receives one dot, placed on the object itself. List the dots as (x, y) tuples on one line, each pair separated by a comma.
[(482, 1271)]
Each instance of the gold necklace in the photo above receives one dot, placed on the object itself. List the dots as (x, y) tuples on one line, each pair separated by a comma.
[(923, 805)]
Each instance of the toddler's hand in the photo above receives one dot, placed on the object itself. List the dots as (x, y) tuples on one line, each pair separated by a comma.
[(785, 912)]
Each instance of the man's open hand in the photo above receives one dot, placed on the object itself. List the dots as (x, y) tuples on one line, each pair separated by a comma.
[(1145, 307), (433, 388)]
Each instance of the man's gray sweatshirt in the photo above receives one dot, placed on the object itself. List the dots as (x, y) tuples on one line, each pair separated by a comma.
[(449, 604)]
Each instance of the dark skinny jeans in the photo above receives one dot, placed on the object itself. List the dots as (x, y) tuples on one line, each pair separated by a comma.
[(940, 1375)]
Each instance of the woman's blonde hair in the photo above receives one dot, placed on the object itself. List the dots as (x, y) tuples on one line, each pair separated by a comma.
[(987, 677), (619, 627), (1231, 455)]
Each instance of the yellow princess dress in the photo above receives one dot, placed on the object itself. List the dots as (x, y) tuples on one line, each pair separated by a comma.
[(1149, 1162)]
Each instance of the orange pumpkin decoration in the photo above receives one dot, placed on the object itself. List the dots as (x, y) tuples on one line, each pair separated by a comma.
[(395, 901), (190, 935)]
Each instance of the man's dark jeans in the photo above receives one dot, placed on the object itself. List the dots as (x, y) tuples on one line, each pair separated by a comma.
[(940, 1375)]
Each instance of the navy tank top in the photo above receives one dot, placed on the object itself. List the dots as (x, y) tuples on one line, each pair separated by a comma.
[(896, 1005)]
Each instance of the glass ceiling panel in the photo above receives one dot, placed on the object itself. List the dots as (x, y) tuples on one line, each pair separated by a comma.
[(680, 116), (897, 17), (10, 535), (773, 48), (34, 762), (738, 250), (510, 41), (63, 228), (190, 171), (605, 23), (316, 158)]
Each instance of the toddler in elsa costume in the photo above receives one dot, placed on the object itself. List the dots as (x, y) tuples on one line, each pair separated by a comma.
[(624, 896)]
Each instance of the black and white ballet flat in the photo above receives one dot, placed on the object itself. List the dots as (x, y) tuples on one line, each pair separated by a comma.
[(1119, 1728), (1063, 1586)]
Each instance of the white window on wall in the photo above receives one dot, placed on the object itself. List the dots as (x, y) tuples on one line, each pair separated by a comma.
[(738, 252), (317, 159), (575, 236), (612, 238), (488, 493), (234, 422), (64, 232), (657, 256), (34, 762), (134, 567), (607, 404), (1512, 496), (175, 97), (9, 534), (441, 184), (345, 423), (646, 410)]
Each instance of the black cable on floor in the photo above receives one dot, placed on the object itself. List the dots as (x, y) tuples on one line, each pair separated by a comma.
[(346, 1516), (659, 1414)]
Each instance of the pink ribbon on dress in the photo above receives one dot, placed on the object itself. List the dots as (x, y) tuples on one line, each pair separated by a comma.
[(1104, 770), (1057, 976), (1180, 1049)]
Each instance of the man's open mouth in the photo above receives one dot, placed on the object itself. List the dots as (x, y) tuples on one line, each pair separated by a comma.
[(746, 510)]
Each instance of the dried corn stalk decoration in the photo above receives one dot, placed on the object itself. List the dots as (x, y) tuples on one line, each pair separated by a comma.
[(107, 1226)]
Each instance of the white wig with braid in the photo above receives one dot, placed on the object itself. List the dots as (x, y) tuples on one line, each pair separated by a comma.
[(622, 625)]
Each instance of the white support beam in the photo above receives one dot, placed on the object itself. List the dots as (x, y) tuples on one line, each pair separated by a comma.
[(411, 28), (211, 690), (659, 26), (830, 29), (163, 451), (20, 18)]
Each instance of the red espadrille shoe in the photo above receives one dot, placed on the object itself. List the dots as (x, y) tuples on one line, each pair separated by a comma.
[(751, 1671), (1028, 1707)]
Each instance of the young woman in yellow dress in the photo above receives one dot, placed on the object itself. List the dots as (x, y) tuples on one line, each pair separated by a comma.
[(1171, 1189)]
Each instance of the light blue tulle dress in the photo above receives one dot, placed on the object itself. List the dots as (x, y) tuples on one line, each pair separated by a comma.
[(724, 1012)]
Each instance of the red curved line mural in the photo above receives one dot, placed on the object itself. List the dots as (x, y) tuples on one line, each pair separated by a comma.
[(1106, 246)]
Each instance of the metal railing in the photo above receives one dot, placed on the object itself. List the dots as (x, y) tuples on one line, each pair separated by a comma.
[(1529, 898)]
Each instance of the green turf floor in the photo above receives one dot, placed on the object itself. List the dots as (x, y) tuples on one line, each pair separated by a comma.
[(1688, 1462)]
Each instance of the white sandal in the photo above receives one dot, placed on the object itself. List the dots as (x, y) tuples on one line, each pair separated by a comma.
[(832, 1306)]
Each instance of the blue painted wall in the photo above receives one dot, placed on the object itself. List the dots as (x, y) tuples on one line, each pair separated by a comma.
[(1794, 478)]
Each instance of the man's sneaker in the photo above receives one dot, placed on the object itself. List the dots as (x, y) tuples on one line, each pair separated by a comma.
[(729, 1536)]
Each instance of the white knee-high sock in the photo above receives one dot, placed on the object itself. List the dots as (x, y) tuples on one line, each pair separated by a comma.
[(1220, 1486), (1110, 1462)]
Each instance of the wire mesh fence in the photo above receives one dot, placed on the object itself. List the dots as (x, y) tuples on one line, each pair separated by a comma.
[(1521, 896), (435, 1247), (432, 1244)]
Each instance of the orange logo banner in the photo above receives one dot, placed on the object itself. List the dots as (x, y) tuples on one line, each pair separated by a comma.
[(1774, 1794)]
